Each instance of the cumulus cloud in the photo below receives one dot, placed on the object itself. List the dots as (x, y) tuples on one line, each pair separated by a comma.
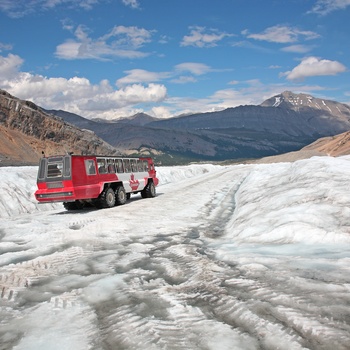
[(137, 89), (9, 66), (137, 92), (324, 7), (121, 41), (281, 34), (202, 37), (160, 112), (77, 94), (313, 66)]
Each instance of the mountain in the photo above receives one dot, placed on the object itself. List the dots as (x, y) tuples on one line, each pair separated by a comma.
[(139, 119), (283, 123), (284, 114), (26, 131), (303, 103)]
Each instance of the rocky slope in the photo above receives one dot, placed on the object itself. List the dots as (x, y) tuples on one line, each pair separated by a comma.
[(335, 146), (26, 131)]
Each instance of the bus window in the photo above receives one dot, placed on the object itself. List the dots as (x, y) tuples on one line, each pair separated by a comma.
[(119, 164), (145, 165), (133, 163), (101, 164), (90, 167), (111, 166), (66, 171), (127, 165), (42, 168), (55, 169)]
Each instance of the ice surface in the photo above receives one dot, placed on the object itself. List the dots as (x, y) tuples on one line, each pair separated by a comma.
[(225, 257)]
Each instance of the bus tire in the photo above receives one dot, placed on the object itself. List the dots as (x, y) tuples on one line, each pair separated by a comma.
[(149, 191), (120, 195), (107, 198)]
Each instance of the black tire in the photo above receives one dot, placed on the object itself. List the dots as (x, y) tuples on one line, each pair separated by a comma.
[(120, 195), (73, 205), (149, 191), (106, 198)]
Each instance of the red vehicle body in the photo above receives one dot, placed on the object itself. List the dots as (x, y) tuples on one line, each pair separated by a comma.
[(101, 181)]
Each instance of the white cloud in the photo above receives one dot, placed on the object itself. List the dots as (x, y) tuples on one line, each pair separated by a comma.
[(281, 34), (129, 36), (21, 8), (141, 76), (160, 112), (77, 94), (5, 47), (132, 3), (297, 48), (184, 80), (193, 67), (313, 66), (130, 95), (144, 76), (121, 41), (323, 7), (9, 67), (202, 37)]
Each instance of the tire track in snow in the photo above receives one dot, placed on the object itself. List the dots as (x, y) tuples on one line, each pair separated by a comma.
[(175, 293), (179, 285), (15, 278)]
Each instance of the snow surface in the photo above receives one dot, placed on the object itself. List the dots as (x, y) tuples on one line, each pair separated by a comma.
[(225, 257)]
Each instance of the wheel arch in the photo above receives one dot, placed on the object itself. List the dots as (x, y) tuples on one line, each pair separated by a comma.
[(112, 185)]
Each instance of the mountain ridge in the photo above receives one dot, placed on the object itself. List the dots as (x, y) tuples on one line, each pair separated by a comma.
[(283, 123), (26, 132)]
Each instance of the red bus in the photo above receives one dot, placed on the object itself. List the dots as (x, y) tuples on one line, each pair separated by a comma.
[(100, 181)]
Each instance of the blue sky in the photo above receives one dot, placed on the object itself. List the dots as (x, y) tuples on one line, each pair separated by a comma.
[(114, 58)]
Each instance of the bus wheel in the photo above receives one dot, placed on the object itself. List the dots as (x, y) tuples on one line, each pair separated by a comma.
[(149, 191), (107, 198), (120, 195)]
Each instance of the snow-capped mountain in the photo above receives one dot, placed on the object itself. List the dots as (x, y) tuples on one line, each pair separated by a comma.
[(302, 103)]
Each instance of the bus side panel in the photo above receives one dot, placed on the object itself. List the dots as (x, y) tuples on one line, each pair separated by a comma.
[(89, 186), (85, 186)]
